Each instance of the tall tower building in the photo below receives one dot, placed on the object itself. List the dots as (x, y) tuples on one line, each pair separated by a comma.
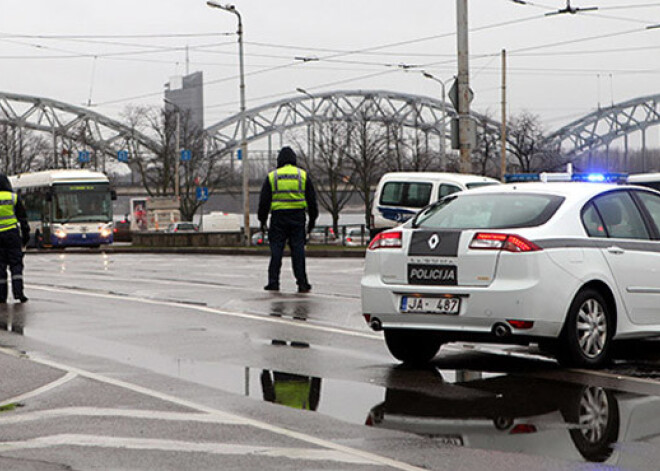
[(187, 92)]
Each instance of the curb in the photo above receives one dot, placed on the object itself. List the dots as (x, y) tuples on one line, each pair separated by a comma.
[(309, 253)]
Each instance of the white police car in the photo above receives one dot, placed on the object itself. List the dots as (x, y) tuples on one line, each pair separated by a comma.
[(571, 266)]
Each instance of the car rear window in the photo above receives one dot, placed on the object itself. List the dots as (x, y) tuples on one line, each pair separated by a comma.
[(411, 194), (490, 211)]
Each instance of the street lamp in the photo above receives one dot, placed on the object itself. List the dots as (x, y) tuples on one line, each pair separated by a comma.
[(244, 151), (177, 145), (313, 143), (444, 114)]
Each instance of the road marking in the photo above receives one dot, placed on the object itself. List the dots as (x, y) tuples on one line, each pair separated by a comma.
[(117, 413), (181, 446), (55, 384), (240, 315), (353, 452)]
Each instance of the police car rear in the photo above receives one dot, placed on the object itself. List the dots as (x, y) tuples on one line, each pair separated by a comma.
[(468, 269)]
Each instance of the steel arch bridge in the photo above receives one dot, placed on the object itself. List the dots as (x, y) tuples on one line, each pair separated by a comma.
[(406, 110), (69, 122), (605, 125)]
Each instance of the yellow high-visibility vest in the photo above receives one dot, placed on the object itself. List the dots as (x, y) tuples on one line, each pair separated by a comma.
[(288, 187), (7, 213)]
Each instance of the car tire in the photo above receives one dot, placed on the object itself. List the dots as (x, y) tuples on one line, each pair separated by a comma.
[(411, 346), (588, 331)]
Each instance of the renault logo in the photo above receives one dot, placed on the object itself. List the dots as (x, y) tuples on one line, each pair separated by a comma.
[(433, 241)]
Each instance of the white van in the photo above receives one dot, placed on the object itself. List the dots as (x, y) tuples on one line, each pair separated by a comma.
[(400, 195)]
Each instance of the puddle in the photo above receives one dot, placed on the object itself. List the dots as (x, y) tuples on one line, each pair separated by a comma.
[(484, 410)]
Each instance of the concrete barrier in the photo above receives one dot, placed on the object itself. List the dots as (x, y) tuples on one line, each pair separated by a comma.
[(193, 239)]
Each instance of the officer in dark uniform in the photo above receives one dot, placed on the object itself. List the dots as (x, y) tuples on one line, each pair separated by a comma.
[(12, 214), (286, 193)]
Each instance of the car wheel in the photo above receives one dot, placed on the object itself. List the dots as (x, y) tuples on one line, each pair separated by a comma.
[(411, 346), (588, 331)]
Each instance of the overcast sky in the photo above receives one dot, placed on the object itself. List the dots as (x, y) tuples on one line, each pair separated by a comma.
[(118, 53)]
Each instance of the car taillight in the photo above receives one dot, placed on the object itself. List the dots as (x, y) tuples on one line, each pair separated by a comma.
[(499, 241), (387, 240), (114, 230)]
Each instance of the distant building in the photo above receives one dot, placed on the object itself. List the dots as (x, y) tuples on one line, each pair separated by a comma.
[(187, 92)]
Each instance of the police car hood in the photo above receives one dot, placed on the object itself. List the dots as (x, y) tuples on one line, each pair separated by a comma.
[(5, 184)]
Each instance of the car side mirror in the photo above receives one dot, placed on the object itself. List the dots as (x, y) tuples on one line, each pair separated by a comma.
[(113, 195)]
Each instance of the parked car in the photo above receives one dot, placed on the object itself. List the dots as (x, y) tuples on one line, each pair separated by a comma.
[(355, 237), (570, 266), (322, 235), (121, 231), (182, 227), (259, 238)]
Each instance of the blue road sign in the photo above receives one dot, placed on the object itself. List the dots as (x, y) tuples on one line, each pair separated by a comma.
[(186, 155), (122, 155), (83, 156), (202, 193), (239, 154)]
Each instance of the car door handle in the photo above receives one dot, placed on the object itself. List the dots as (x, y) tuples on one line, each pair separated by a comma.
[(615, 250)]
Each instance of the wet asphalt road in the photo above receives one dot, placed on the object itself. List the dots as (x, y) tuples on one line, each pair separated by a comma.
[(151, 361)]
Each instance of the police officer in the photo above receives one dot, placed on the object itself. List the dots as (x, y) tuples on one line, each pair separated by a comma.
[(12, 214), (286, 193)]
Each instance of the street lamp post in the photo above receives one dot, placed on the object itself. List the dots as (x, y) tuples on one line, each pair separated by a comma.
[(313, 139), (177, 145), (244, 151), (444, 115)]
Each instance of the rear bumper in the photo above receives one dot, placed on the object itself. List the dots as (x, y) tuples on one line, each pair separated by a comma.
[(482, 308)]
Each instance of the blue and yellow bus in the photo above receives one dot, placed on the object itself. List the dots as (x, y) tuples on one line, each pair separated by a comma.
[(67, 208)]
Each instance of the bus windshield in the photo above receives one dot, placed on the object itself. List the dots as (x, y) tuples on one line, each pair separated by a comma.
[(89, 205)]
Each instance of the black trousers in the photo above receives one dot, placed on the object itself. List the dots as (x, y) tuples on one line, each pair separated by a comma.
[(287, 225), (11, 255)]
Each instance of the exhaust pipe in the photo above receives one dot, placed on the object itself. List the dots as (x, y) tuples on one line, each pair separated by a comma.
[(376, 325), (501, 330)]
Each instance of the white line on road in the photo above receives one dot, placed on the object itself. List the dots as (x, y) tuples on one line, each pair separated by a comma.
[(55, 384), (353, 452), (181, 446), (116, 413), (240, 315)]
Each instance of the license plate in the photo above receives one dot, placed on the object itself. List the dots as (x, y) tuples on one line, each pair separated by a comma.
[(432, 274), (420, 304)]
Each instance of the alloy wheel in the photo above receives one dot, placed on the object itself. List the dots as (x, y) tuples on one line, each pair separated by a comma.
[(591, 328)]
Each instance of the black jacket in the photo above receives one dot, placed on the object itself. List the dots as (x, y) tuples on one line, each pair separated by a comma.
[(266, 197), (19, 209)]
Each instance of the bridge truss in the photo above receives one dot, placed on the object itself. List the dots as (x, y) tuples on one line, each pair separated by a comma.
[(599, 129), (408, 111), (70, 127)]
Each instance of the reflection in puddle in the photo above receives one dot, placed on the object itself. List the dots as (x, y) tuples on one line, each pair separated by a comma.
[(526, 415), (291, 390), (12, 317)]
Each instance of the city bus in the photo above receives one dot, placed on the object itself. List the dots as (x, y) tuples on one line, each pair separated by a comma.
[(66, 208)]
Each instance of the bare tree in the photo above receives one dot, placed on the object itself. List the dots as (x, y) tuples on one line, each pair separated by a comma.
[(365, 148), (330, 167), (158, 169), (486, 156), (22, 150), (527, 145)]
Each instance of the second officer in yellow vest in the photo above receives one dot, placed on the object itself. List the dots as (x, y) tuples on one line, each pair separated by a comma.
[(12, 215), (287, 193)]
